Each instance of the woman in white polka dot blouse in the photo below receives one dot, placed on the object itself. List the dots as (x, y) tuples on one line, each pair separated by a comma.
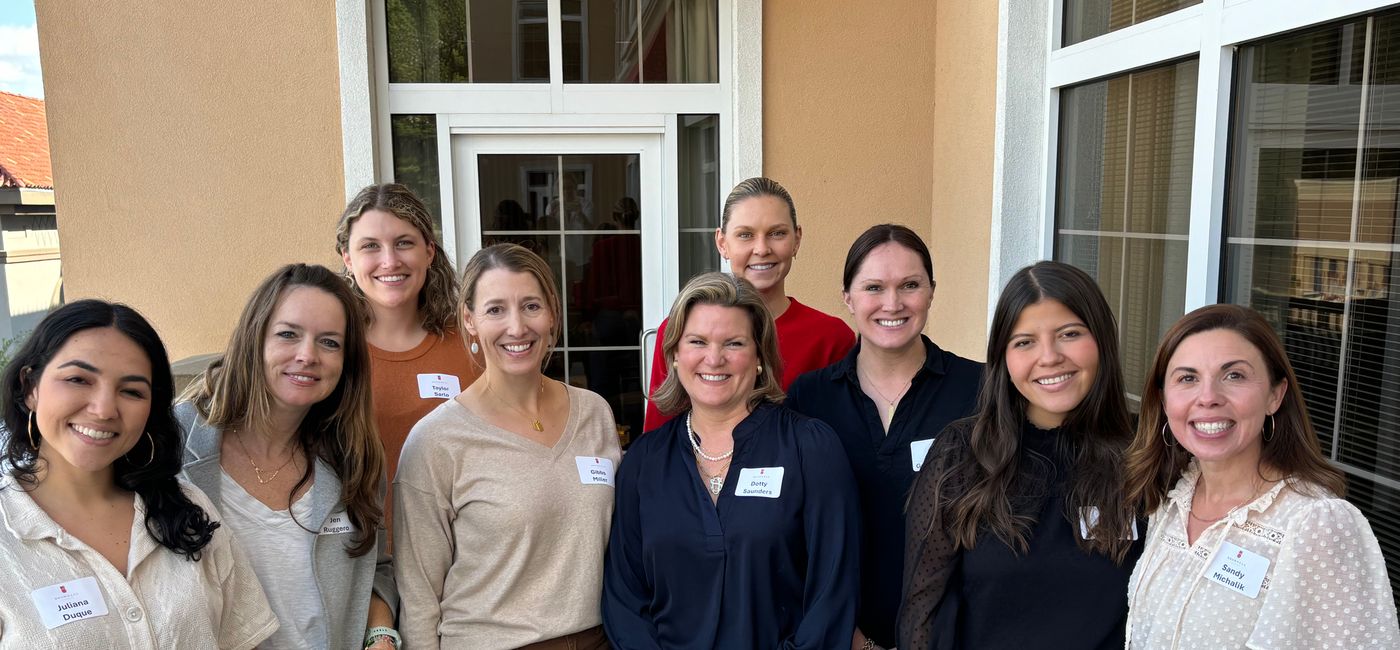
[(1250, 543)]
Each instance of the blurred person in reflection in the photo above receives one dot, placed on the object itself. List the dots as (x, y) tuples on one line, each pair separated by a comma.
[(759, 236), (281, 438), (887, 400), (395, 265), (737, 522), (1018, 534), (505, 493), (105, 547), (1250, 543)]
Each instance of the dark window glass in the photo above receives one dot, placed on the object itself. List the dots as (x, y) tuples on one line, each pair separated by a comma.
[(416, 160), (699, 194), (1085, 19), (467, 41), (1311, 237), (641, 41), (1123, 197)]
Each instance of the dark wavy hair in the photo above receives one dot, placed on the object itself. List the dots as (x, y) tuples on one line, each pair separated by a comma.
[(1095, 434), (232, 393), (171, 518)]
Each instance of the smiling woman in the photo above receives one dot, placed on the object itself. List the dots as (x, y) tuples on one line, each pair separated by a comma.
[(1020, 507), (97, 520)]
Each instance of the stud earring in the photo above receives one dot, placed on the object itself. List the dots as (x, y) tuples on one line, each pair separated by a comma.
[(760, 368), (475, 348)]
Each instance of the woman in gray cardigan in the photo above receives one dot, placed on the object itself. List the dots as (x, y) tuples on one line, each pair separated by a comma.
[(281, 438)]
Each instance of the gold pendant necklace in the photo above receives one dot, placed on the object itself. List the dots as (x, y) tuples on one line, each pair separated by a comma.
[(892, 402), (536, 424), (714, 481), (258, 471)]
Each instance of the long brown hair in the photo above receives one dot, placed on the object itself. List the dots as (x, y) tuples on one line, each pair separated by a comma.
[(1153, 466), (233, 393), (1096, 432), (435, 299)]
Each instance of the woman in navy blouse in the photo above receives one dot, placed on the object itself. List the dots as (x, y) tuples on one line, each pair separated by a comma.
[(886, 401), (1018, 533), (736, 523)]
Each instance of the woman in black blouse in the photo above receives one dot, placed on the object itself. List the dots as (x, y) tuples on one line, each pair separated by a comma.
[(1018, 534), (887, 399)]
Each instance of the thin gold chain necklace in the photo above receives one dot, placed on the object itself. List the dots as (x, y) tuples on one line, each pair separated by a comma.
[(892, 402), (538, 426), (258, 471)]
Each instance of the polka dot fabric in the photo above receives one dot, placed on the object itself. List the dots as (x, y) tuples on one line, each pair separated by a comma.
[(1325, 585)]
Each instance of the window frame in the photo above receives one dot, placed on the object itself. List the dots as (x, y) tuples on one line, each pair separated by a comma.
[(1029, 103)]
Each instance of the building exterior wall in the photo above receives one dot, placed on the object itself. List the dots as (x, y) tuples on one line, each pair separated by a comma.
[(883, 112), (199, 147)]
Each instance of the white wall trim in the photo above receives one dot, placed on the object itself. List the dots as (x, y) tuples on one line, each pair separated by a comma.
[(357, 141), (746, 74)]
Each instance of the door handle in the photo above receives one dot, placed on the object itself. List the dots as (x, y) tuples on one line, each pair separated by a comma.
[(646, 360)]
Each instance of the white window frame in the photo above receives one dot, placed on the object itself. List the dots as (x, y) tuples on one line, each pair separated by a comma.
[(1027, 120), (1032, 68)]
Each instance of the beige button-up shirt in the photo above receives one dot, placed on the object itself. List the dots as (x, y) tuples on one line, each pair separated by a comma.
[(164, 601), (1318, 570)]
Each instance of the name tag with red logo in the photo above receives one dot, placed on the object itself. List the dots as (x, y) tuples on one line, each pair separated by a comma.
[(435, 386), (594, 471), (1237, 569), (764, 482), (69, 602)]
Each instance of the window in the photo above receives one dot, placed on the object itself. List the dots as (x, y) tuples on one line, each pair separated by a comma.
[(1085, 19), (1311, 236), (1123, 198)]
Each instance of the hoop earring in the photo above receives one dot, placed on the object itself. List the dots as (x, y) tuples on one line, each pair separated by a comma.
[(1166, 440), (152, 459), (1269, 433), (32, 442)]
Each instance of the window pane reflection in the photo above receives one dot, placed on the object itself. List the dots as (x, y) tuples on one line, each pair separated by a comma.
[(416, 160), (641, 41), (472, 41)]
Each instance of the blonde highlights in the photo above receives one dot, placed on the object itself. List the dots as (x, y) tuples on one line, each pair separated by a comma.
[(721, 290), (435, 299), (232, 393), (516, 259)]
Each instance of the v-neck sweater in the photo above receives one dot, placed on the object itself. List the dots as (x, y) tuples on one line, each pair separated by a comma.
[(498, 541)]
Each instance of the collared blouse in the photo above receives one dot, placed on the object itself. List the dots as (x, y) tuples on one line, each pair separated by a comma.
[(164, 600), (772, 564), (886, 463), (1295, 568)]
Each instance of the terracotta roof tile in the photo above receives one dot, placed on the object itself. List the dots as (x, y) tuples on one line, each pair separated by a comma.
[(24, 143)]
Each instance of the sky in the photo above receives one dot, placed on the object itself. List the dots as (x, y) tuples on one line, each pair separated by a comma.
[(19, 49)]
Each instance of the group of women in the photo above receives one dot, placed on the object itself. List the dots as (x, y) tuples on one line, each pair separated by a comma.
[(798, 487)]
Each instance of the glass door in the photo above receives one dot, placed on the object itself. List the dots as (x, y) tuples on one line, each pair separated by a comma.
[(591, 206)]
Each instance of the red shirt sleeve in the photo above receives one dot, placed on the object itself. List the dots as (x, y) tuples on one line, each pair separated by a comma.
[(654, 417)]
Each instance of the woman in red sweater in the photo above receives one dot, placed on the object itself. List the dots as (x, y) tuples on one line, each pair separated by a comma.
[(759, 236)]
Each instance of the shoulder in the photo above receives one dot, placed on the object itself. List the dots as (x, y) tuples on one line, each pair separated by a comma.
[(589, 401), (446, 419), (807, 432), (810, 383), (1308, 511)]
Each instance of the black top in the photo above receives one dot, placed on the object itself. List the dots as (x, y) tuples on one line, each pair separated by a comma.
[(944, 390), (770, 565), (1055, 595)]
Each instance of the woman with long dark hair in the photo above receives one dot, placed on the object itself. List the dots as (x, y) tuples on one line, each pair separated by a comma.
[(887, 400), (281, 437), (1250, 543), (100, 532), (1018, 534)]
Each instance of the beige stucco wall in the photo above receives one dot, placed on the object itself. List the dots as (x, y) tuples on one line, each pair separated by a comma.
[(884, 112), (197, 147)]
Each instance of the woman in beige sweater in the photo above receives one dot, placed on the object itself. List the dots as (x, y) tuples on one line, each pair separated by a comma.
[(504, 494)]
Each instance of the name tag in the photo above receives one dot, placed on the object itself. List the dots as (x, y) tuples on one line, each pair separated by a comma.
[(760, 482), (438, 386), (1238, 569), (594, 471), (69, 602), (338, 524), (1089, 516), (918, 452)]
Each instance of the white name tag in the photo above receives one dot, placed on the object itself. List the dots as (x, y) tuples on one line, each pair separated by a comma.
[(918, 452), (594, 471), (438, 386), (1089, 516), (1238, 569), (69, 602), (338, 524), (760, 482)]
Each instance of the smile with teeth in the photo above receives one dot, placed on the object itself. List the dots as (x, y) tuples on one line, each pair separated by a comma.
[(713, 377), (762, 267), (95, 434), (891, 322), (392, 278), (1058, 379), (1213, 427), (517, 347), (306, 379)]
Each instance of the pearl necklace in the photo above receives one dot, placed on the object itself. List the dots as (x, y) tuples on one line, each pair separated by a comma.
[(695, 444)]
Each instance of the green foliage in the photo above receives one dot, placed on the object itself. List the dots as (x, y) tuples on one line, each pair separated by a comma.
[(9, 346)]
